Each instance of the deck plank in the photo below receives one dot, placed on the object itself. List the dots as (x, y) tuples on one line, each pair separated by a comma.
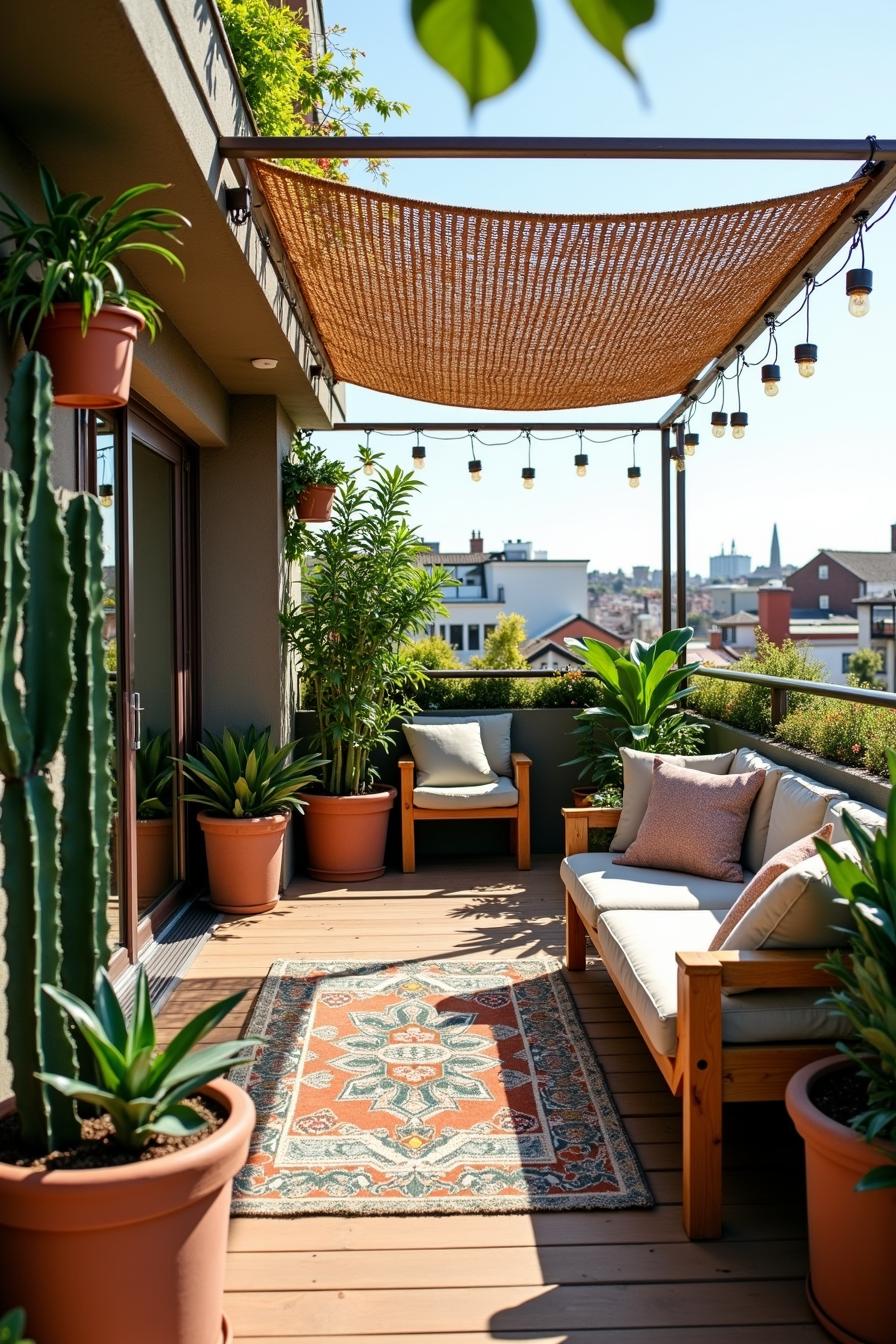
[(555, 1278)]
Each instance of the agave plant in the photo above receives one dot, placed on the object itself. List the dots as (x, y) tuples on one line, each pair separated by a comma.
[(866, 972), (71, 256), (242, 776), (641, 688), (155, 772), (143, 1089)]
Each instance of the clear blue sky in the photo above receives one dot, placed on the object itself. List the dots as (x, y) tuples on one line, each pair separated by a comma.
[(820, 459)]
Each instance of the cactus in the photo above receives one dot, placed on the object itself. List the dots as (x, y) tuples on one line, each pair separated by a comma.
[(55, 738)]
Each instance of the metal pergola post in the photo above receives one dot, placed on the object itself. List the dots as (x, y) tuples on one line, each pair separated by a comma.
[(681, 568), (666, 526)]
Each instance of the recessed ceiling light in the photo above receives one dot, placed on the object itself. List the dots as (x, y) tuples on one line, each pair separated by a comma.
[(264, 363)]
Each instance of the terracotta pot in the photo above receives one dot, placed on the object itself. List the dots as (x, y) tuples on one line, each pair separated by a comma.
[(155, 859), (316, 503), (132, 1253), (92, 371), (346, 834), (245, 859), (851, 1235)]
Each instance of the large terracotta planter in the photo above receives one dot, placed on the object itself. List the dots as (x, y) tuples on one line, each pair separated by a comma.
[(155, 859), (245, 858), (346, 835), (92, 371), (134, 1253), (851, 1235), (315, 503)]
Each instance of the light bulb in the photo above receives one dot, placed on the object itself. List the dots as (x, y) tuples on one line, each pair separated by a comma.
[(718, 431), (806, 356), (806, 368), (719, 423), (690, 444), (738, 424), (858, 287), (581, 464), (679, 464), (368, 468), (475, 472), (528, 478), (738, 432), (771, 379), (418, 462), (581, 471), (528, 485), (771, 389), (634, 477), (105, 496)]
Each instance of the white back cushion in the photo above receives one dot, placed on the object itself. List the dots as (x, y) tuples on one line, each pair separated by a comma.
[(869, 817), (799, 911), (745, 761), (448, 754), (495, 731), (637, 778), (798, 809)]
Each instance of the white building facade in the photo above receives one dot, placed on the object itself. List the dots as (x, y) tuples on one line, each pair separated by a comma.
[(544, 592)]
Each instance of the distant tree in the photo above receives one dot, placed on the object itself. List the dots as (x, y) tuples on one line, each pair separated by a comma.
[(864, 666), (618, 585), (433, 652), (502, 646)]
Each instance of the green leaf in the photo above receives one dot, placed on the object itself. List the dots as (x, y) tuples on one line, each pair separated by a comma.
[(485, 45), (879, 1178), (142, 1033), (610, 22), (177, 1122)]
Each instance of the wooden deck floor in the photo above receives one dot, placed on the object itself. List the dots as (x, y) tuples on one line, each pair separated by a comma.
[(626, 1277)]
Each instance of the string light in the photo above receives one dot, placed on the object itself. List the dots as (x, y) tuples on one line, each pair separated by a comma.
[(859, 280), (738, 417), (718, 423), (634, 471), (106, 495), (691, 439), (368, 467), (474, 466), (806, 353), (581, 458), (418, 455), (528, 476), (770, 374)]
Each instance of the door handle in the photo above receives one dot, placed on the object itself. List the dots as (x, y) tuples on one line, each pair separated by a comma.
[(137, 712)]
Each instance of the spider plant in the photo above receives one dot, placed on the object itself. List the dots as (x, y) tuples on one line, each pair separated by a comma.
[(241, 775), (72, 255), (142, 1088)]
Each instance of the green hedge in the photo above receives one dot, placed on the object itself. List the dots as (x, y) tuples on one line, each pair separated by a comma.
[(559, 690)]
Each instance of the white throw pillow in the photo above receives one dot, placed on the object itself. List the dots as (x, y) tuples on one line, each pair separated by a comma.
[(798, 809), (798, 912), (495, 730), (448, 754), (756, 836), (637, 779)]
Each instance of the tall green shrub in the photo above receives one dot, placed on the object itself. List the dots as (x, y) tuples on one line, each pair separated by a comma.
[(749, 707), (55, 740)]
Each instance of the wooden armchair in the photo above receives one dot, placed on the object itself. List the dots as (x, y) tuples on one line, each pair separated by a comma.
[(517, 815), (704, 1071)]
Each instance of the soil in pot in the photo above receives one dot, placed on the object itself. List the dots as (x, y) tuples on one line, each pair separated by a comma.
[(841, 1095)]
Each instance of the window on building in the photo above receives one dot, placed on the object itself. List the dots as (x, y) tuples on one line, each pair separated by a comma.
[(822, 571), (844, 664), (456, 638), (443, 631), (488, 630), (824, 601), (473, 638)]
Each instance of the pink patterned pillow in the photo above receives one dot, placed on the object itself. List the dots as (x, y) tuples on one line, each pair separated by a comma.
[(694, 822), (790, 857)]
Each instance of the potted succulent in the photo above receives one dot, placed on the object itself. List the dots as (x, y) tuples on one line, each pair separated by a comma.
[(363, 597), (63, 291), (844, 1107), (641, 689), (155, 825), (247, 791), (94, 1204), (310, 480)]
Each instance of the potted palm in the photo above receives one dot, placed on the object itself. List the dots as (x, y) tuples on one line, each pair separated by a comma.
[(248, 791), (364, 596), (94, 1203), (310, 480), (62, 288), (641, 689), (155, 825), (844, 1107)]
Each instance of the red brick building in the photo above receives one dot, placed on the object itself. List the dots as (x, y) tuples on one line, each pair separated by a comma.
[(832, 580)]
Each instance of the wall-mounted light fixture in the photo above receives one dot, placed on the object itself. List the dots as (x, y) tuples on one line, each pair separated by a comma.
[(238, 204)]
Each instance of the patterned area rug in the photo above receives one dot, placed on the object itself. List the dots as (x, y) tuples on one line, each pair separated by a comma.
[(432, 1087)]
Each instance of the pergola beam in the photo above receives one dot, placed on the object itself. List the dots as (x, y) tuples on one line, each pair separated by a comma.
[(545, 147), (879, 187), (496, 426)]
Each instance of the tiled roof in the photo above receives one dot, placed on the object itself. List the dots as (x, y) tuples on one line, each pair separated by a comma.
[(456, 557), (872, 566)]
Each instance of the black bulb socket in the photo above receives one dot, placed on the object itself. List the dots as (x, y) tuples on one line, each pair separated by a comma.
[(806, 352), (859, 280), (581, 460), (771, 373)]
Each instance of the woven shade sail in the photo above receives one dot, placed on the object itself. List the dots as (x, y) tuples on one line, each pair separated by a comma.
[(532, 312)]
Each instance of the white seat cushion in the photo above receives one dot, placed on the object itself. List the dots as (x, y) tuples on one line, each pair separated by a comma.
[(639, 949), (597, 884), (499, 794), (798, 809), (870, 817), (495, 731), (745, 761)]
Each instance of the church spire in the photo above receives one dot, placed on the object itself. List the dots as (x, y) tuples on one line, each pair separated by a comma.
[(774, 563)]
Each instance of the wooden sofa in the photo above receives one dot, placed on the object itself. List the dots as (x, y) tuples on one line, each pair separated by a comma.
[(698, 1066), (517, 814)]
